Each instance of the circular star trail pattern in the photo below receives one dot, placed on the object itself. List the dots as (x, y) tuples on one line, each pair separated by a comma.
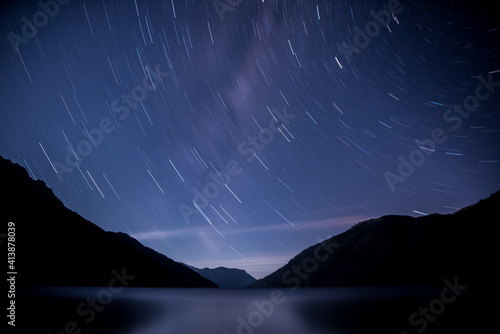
[(237, 133)]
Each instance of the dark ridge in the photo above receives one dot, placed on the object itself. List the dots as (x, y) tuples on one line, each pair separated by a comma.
[(400, 250), (226, 277), (57, 247)]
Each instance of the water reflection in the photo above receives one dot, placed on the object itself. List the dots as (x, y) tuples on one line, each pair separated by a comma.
[(220, 311)]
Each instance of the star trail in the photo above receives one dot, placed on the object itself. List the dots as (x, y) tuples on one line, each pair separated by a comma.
[(237, 133)]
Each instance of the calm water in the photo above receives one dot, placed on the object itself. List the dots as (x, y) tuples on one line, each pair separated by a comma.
[(193, 311)]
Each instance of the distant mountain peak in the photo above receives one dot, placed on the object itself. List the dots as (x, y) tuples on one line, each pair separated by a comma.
[(226, 277)]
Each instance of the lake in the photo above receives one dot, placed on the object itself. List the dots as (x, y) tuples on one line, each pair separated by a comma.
[(348, 310)]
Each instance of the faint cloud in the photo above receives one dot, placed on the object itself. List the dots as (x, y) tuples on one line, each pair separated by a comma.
[(301, 225)]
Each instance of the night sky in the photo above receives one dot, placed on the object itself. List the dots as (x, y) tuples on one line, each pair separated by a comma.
[(238, 133)]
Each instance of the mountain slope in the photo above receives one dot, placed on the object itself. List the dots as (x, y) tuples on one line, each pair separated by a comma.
[(57, 247), (226, 277), (400, 250), (177, 268)]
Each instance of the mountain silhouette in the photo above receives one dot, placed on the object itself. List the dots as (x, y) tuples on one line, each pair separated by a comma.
[(400, 250), (57, 247), (226, 277)]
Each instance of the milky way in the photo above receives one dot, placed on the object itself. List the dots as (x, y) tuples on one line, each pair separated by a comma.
[(237, 133)]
